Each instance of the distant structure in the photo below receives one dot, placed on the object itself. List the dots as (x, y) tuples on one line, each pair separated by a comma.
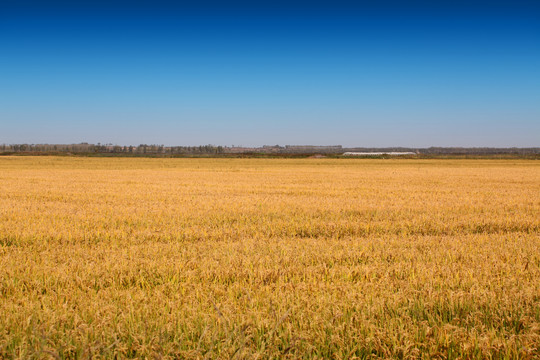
[(391, 153), (238, 150), (312, 148)]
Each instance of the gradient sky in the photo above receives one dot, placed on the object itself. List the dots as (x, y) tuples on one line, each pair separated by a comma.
[(460, 73)]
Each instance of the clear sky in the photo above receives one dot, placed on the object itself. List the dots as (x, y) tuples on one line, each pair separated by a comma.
[(459, 73)]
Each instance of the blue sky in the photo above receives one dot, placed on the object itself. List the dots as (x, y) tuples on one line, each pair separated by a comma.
[(357, 74)]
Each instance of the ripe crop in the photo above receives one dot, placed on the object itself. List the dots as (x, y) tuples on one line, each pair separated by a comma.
[(269, 258)]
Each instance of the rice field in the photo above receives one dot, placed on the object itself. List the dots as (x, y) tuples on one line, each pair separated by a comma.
[(269, 258)]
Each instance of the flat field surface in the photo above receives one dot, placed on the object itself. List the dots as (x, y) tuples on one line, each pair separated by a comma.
[(269, 258)]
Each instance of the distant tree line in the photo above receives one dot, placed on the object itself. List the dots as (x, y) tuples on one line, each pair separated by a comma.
[(154, 149), (111, 149)]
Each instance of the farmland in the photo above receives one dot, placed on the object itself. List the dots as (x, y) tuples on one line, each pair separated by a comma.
[(269, 258)]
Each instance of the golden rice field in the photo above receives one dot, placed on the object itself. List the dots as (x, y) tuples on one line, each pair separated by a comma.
[(269, 258)]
